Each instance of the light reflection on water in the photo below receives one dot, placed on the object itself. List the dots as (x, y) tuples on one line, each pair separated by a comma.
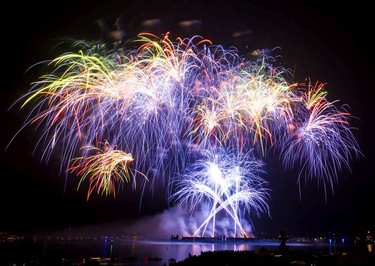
[(180, 250), (57, 250)]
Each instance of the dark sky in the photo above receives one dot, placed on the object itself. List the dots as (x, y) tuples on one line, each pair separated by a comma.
[(328, 44)]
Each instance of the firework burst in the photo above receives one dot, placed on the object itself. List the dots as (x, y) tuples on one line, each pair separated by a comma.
[(189, 117)]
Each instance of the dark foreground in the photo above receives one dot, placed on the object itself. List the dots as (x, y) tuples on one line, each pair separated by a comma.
[(266, 257)]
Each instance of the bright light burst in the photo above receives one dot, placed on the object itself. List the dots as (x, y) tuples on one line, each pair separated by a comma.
[(229, 184), (189, 117)]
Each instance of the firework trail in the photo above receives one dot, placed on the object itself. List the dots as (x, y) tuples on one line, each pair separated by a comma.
[(105, 168), (185, 116)]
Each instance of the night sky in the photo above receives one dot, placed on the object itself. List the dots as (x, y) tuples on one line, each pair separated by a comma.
[(328, 44)]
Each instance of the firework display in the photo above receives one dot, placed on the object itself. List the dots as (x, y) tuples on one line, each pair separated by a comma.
[(190, 117)]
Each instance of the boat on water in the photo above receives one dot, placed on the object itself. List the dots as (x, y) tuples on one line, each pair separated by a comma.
[(149, 259), (112, 261)]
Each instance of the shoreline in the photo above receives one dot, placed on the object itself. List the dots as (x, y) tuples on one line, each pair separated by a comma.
[(263, 256), (120, 251)]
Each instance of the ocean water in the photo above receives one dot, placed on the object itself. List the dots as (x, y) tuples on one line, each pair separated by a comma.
[(135, 252)]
